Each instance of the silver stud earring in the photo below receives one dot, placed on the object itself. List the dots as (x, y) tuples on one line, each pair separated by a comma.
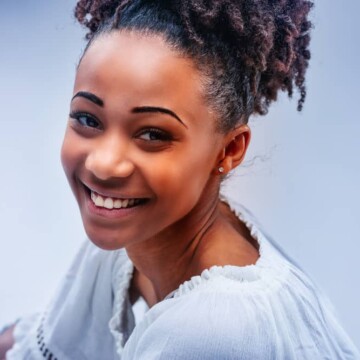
[(221, 169)]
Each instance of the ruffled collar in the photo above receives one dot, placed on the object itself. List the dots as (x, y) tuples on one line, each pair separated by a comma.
[(249, 273), (122, 322)]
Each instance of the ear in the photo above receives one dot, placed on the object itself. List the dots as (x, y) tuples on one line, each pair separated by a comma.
[(235, 146)]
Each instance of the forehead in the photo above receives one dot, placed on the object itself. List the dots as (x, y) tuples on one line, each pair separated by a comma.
[(130, 68)]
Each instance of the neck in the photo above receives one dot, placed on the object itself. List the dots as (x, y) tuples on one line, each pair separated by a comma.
[(169, 258)]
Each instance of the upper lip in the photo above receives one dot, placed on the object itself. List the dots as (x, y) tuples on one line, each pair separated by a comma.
[(106, 193)]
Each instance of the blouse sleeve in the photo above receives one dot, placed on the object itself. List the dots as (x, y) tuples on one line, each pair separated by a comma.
[(231, 325), (26, 328)]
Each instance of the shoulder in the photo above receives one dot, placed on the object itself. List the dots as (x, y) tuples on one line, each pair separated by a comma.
[(210, 325), (225, 324), (226, 319)]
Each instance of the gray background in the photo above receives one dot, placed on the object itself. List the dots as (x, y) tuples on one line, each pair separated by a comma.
[(302, 185)]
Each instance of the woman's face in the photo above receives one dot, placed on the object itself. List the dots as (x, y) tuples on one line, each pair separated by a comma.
[(140, 135)]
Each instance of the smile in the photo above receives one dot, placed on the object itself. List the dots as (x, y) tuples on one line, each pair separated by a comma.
[(108, 205), (113, 203)]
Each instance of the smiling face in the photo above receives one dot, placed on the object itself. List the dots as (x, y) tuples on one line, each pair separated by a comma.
[(140, 131)]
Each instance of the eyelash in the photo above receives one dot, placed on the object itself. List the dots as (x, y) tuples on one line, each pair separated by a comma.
[(77, 116), (162, 135)]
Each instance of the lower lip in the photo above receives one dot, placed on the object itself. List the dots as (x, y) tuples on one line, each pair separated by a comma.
[(111, 213)]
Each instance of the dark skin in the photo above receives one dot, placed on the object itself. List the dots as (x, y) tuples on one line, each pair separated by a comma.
[(141, 285), (180, 231), (183, 228)]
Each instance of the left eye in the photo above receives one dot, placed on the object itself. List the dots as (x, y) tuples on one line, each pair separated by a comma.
[(85, 120), (154, 135)]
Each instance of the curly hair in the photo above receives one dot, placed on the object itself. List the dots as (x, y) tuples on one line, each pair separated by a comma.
[(247, 50)]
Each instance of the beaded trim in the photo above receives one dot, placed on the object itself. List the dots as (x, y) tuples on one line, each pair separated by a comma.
[(47, 354)]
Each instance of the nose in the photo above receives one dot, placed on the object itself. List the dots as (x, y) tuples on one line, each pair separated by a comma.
[(109, 158)]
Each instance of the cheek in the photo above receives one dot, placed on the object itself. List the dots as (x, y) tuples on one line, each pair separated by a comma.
[(67, 158), (71, 156), (180, 177)]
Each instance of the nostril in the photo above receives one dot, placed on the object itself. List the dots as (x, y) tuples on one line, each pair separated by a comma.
[(106, 167)]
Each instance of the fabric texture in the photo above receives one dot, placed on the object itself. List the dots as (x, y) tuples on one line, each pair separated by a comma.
[(269, 310)]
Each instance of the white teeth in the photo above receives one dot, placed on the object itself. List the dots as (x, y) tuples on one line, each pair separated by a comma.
[(110, 203), (117, 204), (99, 201), (125, 203)]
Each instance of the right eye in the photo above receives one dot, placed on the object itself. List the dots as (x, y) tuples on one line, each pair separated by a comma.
[(84, 119)]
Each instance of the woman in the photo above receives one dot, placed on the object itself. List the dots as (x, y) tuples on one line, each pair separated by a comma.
[(158, 118)]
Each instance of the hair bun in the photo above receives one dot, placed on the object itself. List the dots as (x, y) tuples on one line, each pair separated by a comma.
[(254, 48)]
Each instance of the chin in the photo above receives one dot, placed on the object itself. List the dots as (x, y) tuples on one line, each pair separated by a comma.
[(104, 242), (104, 245)]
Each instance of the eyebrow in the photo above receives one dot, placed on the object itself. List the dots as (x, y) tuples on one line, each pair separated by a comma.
[(92, 97), (156, 109), (137, 110)]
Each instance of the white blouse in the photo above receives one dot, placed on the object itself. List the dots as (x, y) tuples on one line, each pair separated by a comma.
[(270, 310)]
